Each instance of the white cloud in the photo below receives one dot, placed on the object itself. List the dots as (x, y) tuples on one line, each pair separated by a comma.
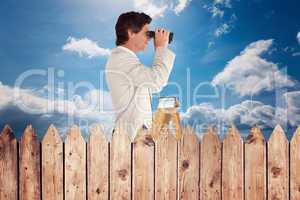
[(298, 37), (221, 30), (225, 27), (84, 46), (94, 106), (225, 3), (293, 107), (182, 4), (243, 115), (150, 8), (249, 73), (216, 12), (156, 8), (217, 7)]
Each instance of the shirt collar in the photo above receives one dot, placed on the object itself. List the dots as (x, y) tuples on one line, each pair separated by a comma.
[(126, 49)]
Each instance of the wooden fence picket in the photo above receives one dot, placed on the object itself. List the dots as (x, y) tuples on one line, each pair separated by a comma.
[(52, 165), (97, 164), (189, 165), (232, 163), (255, 166), (120, 165), (166, 166), (29, 160), (147, 168), (210, 166), (295, 165), (278, 165), (75, 165), (8, 165), (143, 166)]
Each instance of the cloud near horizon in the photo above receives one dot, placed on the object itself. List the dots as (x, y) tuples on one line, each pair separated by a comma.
[(246, 114), (94, 106), (249, 73)]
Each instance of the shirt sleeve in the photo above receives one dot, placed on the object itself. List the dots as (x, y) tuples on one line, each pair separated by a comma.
[(154, 77)]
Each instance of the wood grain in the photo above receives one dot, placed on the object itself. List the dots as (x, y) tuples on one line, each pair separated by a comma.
[(232, 172), (295, 165), (278, 165), (29, 160), (52, 165), (210, 166), (97, 165), (189, 165), (255, 166), (8, 164), (120, 182), (143, 166), (166, 166), (75, 165)]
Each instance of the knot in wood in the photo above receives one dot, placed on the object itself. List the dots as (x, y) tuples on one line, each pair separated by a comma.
[(185, 164), (123, 174), (148, 141), (275, 171)]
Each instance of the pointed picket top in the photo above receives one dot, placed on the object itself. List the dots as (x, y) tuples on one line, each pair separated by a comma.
[(141, 131), (277, 133), (74, 134), (188, 131), (120, 129), (211, 133), (8, 164), (165, 133), (233, 132), (7, 131), (255, 136), (51, 135), (96, 131), (296, 136), (144, 134), (29, 132), (295, 165)]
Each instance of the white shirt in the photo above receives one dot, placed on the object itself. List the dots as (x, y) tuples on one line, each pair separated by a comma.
[(126, 49), (131, 85)]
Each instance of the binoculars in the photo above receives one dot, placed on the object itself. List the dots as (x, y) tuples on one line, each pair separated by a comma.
[(151, 34)]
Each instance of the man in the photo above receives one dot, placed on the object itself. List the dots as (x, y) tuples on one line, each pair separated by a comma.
[(131, 84)]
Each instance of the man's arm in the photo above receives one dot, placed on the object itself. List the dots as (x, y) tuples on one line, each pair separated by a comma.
[(154, 77)]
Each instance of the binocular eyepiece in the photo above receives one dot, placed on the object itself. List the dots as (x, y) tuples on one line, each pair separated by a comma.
[(151, 34)]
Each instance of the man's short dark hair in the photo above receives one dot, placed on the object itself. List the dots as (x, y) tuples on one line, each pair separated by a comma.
[(130, 20)]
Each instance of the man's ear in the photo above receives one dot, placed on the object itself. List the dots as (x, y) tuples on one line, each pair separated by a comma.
[(130, 33)]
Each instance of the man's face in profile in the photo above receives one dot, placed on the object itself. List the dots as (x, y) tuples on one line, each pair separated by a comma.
[(140, 39)]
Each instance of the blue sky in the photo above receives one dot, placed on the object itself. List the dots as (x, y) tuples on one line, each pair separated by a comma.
[(236, 61)]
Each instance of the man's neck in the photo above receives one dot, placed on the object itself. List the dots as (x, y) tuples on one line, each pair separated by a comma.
[(131, 47)]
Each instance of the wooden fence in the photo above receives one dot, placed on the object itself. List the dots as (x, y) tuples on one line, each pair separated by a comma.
[(144, 169)]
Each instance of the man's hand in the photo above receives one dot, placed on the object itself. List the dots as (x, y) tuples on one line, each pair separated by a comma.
[(161, 38)]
